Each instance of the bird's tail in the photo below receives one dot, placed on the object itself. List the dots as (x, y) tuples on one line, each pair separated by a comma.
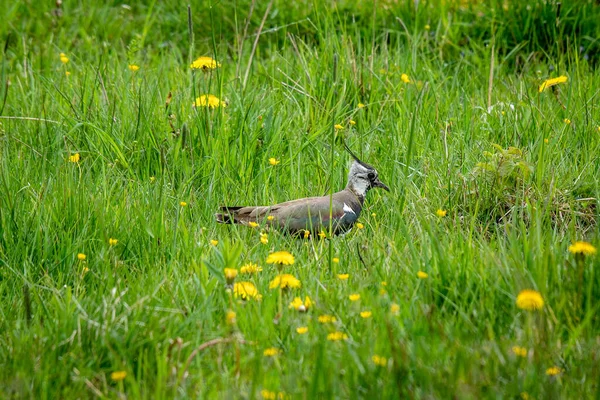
[(228, 215)]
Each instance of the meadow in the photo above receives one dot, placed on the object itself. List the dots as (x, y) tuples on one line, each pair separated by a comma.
[(473, 278)]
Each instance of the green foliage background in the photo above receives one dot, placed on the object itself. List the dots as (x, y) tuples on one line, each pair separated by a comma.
[(519, 183)]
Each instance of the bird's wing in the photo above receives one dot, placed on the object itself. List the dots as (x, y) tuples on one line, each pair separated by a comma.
[(310, 214)]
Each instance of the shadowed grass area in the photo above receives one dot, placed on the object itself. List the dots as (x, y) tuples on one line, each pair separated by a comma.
[(491, 181)]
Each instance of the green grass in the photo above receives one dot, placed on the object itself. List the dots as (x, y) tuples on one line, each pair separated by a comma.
[(440, 142)]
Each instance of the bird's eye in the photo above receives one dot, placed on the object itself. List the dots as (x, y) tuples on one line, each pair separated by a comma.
[(371, 176)]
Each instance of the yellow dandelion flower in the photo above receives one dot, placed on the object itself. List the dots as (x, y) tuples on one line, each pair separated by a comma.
[(519, 351), (270, 218), (271, 352), (75, 158), (404, 78), (205, 63), (264, 238), (214, 242), (343, 277), (246, 291), (285, 281), (299, 305), (335, 260), (326, 319), (230, 274), (230, 317), (354, 297), (112, 242), (63, 58), (379, 360), (360, 105), (552, 82), (268, 395), (250, 268), (273, 161), (252, 224), (337, 336), (546, 141), (530, 300), (208, 100), (118, 375), (306, 234), (133, 67), (567, 121), (280, 257), (338, 127), (395, 309), (360, 226), (422, 275), (322, 235), (81, 257), (352, 122), (553, 371), (584, 248), (441, 213), (182, 203), (301, 330), (366, 314)]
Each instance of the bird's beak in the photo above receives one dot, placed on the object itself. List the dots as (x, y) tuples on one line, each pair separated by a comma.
[(380, 184)]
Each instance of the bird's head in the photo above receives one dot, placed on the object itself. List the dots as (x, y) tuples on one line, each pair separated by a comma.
[(363, 177)]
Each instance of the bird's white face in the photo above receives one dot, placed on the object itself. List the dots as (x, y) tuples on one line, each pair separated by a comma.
[(362, 178)]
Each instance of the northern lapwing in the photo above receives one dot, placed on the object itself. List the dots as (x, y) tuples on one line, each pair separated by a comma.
[(311, 214)]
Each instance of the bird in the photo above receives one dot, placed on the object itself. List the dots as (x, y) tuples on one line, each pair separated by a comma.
[(310, 216)]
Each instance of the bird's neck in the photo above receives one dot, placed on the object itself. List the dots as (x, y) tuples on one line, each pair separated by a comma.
[(359, 189)]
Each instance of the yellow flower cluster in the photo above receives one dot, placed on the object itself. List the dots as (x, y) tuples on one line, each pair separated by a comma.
[(379, 360), (205, 63), (530, 300), (208, 100), (118, 375), (519, 351), (230, 274), (250, 268), (246, 291), (269, 395), (299, 305), (264, 238), (326, 319), (271, 352), (337, 336), (280, 257), (285, 281), (584, 248), (552, 82)]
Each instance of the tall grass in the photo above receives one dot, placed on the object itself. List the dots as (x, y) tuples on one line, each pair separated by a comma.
[(145, 304)]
